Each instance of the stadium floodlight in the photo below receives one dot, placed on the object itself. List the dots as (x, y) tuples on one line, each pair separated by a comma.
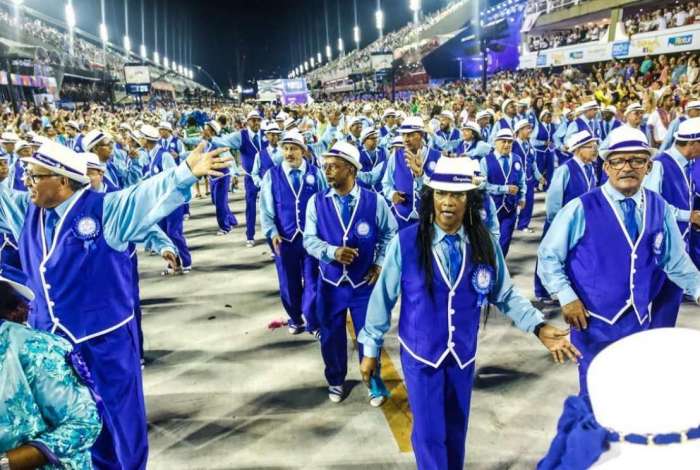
[(329, 52), (239, 89), (319, 58), (143, 52), (127, 44), (306, 65), (156, 57), (414, 5), (18, 2), (174, 66), (166, 62), (312, 61), (341, 45), (356, 34), (103, 33), (70, 15), (379, 20)]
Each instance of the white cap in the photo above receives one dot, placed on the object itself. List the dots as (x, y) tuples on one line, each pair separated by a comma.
[(521, 124), (367, 108), (644, 384), (692, 105), (448, 114), (61, 160), (472, 125), (74, 124), (545, 112), (149, 132), (609, 109), (578, 139), (125, 126), (367, 133), (412, 124), (93, 162), (396, 142), (8, 137), (214, 126), (347, 152), (588, 105), (273, 128), (294, 137), (289, 123), (507, 102), (504, 134), (165, 125), (626, 139), (22, 144), (389, 112), (354, 120), (281, 116), (454, 174), (482, 114), (688, 130), (632, 107), (253, 115), (93, 137)]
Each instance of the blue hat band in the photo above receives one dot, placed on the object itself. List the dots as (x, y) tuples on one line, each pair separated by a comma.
[(53, 163), (694, 136), (450, 178), (628, 143)]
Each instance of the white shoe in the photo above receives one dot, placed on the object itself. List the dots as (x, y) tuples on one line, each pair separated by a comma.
[(250, 243), (336, 393), (295, 329), (221, 232), (186, 270), (376, 402)]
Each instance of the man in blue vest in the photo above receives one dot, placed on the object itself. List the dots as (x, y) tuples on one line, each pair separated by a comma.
[(672, 177), (692, 110), (446, 269), (119, 173), (505, 182), (605, 251), (483, 118), (285, 192), (446, 138), (570, 180), (269, 156), (388, 130), (355, 125), (249, 142), (533, 176), (74, 140), (542, 140), (347, 230), (609, 121), (372, 159), (586, 120), (405, 169), (507, 120), (171, 143), (68, 235), (9, 254)]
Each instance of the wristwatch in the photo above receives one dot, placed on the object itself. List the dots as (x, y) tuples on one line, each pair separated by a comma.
[(536, 331), (4, 462)]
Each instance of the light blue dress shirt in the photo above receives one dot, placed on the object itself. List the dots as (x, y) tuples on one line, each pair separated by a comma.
[(669, 138), (655, 179), (560, 133), (502, 188), (479, 151), (386, 293), (127, 214), (572, 128), (388, 184), (276, 156), (441, 143), (497, 127), (555, 194), (568, 227), (323, 251)]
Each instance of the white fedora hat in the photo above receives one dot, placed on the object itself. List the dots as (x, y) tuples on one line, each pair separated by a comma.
[(454, 174), (61, 160)]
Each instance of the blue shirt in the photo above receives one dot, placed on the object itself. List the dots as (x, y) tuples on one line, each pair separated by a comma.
[(555, 193), (672, 129), (276, 156), (321, 250), (388, 184), (388, 288), (655, 179), (568, 227), (127, 215), (502, 188)]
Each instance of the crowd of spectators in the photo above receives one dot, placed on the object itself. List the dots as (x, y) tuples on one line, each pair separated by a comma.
[(579, 34), (653, 18), (94, 92), (548, 6)]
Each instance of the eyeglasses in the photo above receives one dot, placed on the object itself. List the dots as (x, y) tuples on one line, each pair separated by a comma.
[(636, 163), (36, 178)]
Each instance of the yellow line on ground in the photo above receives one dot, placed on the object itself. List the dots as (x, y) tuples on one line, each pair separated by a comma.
[(396, 410)]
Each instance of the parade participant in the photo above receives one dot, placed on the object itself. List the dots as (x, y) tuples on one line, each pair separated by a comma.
[(74, 139), (119, 173), (571, 180), (48, 418), (372, 159), (285, 192), (405, 168), (585, 121), (172, 224), (692, 110), (671, 176), (483, 118), (9, 254), (388, 129), (347, 230), (542, 140), (268, 156), (447, 137), (507, 121), (170, 142), (533, 176), (609, 121), (605, 251), (57, 222), (193, 132), (355, 126), (446, 269), (567, 116), (472, 144), (22, 150), (248, 142), (505, 182), (332, 133), (634, 115)]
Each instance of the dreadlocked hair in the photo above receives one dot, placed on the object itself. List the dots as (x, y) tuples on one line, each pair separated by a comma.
[(480, 241)]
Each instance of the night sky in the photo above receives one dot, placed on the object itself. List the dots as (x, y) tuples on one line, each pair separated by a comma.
[(237, 41)]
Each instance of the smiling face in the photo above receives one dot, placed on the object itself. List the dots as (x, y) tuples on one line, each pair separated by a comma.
[(449, 209)]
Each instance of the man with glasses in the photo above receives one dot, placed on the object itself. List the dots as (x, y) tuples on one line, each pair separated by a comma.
[(672, 177), (118, 174), (605, 251)]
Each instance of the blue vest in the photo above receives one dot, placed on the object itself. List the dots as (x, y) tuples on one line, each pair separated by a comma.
[(676, 189), (249, 149), (403, 181), (18, 182), (582, 125), (369, 162), (431, 328), (83, 287), (449, 137), (266, 162), (614, 124), (607, 273), (361, 234), (495, 176), (290, 208), (527, 155), (171, 146), (544, 132), (505, 123), (156, 164), (485, 133), (577, 184)]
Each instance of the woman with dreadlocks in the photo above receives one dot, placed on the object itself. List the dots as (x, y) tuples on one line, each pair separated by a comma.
[(446, 268)]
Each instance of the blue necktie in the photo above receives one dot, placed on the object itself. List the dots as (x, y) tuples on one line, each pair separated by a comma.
[(296, 180), (50, 225), (628, 207), (345, 210), (589, 174), (454, 256), (689, 175), (506, 166)]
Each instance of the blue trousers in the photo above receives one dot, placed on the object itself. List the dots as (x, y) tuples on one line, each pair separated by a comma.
[(545, 162), (251, 198), (113, 361), (525, 214), (665, 306), (333, 304), (219, 197), (137, 300), (298, 273), (598, 336), (9, 254), (439, 399), (172, 225), (507, 222)]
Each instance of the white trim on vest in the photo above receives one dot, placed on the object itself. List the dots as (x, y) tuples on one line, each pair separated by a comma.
[(633, 256), (505, 177), (414, 200), (297, 212), (687, 183)]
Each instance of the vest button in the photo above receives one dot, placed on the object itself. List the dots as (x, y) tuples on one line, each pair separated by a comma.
[(48, 286), (452, 344), (453, 328), (52, 303), (43, 270), (452, 311)]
